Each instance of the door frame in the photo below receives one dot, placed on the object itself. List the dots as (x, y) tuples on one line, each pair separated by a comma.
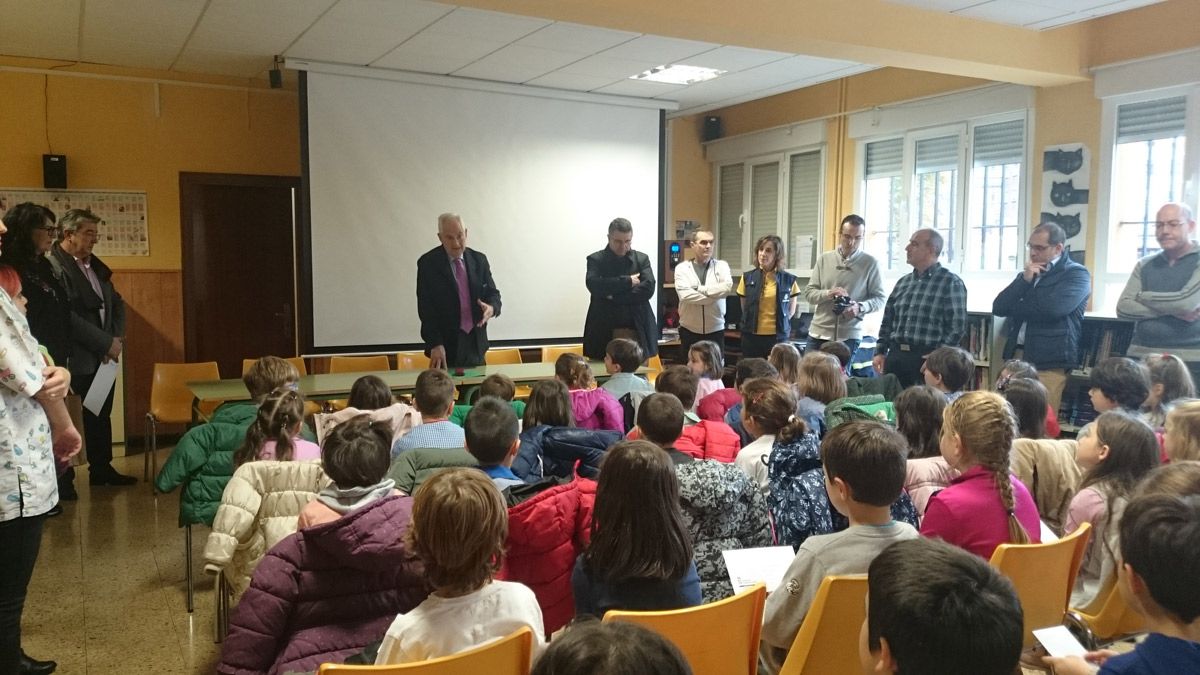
[(190, 202)]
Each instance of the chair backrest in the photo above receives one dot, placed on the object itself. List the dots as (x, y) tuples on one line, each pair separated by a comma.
[(501, 357), (720, 638), (170, 399), (1114, 618), (358, 364), (411, 361), (507, 656), (551, 354), (1043, 575), (654, 367), (296, 361), (828, 639)]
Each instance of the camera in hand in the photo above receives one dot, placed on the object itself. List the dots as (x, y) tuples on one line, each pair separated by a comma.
[(841, 303)]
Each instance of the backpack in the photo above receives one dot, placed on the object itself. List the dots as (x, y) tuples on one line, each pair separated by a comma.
[(867, 407)]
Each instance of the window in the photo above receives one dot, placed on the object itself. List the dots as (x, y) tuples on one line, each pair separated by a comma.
[(964, 180), (778, 194), (1147, 171)]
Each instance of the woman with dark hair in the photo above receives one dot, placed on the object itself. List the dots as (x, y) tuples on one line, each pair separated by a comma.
[(768, 295), (31, 233)]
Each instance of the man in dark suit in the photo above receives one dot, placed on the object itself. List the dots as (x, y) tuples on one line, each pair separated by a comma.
[(97, 330), (1044, 306), (456, 297), (621, 283)]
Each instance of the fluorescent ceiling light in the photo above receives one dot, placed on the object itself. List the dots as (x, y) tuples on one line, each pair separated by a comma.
[(678, 74)]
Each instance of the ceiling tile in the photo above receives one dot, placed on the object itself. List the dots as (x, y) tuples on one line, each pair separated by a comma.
[(606, 66), (130, 53), (491, 26), (195, 60), (1016, 12), (378, 26), (48, 30), (426, 46), (640, 88), (734, 59), (487, 70), (571, 37), (660, 50), (938, 5), (560, 79), (267, 17)]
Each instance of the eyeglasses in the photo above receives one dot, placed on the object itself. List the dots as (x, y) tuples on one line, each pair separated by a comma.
[(1039, 247), (1167, 223)]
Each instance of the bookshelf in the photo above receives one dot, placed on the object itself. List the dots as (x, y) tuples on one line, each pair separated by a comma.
[(1101, 337), (979, 341)]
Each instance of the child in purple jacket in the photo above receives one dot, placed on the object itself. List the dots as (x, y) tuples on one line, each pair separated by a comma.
[(593, 406)]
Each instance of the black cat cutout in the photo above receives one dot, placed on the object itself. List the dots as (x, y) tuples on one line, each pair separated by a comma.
[(1065, 194), (1069, 222), (1063, 161)]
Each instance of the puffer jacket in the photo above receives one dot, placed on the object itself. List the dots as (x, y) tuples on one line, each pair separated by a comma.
[(325, 593), (723, 510), (798, 502), (413, 467), (925, 476), (260, 506), (401, 416), (548, 451), (717, 404), (1048, 468), (546, 533), (709, 439), (597, 409), (202, 462)]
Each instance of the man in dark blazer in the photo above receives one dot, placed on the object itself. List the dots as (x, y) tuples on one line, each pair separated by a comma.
[(97, 332), (456, 297), (621, 283), (1044, 306)]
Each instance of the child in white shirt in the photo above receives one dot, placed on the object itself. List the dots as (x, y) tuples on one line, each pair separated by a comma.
[(459, 528)]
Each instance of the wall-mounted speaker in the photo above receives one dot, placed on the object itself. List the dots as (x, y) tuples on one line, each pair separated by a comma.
[(54, 172), (712, 128)]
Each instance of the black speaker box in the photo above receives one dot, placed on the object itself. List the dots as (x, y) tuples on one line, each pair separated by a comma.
[(54, 172), (712, 128)]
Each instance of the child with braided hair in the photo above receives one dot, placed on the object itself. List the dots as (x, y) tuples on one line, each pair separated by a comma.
[(986, 505), (275, 432)]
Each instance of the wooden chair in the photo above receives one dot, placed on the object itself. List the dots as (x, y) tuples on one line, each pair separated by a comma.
[(358, 364), (1043, 575), (411, 361), (507, 357), (507, 656), (828, 639), (720, 638), (171, 403), (654, 366), (551, 354), (1113, 620)]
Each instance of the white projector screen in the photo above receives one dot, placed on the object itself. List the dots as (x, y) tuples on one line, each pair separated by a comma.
[(535, 179)]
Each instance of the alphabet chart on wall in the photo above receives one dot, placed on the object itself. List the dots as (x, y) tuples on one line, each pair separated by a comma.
[(123, 228)]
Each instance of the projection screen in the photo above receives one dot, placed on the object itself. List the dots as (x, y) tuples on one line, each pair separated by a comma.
[(536, 180)]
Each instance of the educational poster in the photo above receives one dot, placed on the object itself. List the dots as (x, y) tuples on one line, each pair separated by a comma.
[(123, 228), (1066, 176)]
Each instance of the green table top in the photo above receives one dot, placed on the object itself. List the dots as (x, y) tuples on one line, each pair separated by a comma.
[(337, 385)]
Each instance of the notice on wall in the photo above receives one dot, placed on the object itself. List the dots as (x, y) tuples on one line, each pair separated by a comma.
[(1066, 179), (123, 228)]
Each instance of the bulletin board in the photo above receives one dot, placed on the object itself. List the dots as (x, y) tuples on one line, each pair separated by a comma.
[(122, 229)]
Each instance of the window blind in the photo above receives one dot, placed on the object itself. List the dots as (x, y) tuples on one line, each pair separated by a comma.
[(884, 158), (1148, 120), (764, 201), (1001, 143), (937, 154), (729, 212), (804, 200)]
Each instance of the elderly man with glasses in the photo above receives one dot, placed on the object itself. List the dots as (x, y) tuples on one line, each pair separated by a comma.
[(1044, 306), (1163, 292), (845, 285)]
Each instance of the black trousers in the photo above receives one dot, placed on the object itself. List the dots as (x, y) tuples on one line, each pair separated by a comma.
[(757, 346), (906, 365), (19, 542), (97, 429), (687, 338), (467, 353)]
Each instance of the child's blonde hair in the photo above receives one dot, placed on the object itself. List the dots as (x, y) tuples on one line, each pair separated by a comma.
[(573, 370), (821, 378), (459, 526), (280, 416), (786, 359), (1183, 424), (986, 425)]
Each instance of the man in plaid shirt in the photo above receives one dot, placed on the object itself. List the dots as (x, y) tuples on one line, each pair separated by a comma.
[(926, 309)]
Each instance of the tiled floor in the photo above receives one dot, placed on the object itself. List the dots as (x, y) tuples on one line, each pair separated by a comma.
[(108, 593)]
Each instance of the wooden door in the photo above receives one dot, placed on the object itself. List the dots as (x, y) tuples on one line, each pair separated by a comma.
[(239, 267)]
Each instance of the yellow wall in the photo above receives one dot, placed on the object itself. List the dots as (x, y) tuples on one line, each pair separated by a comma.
[(114, 138)]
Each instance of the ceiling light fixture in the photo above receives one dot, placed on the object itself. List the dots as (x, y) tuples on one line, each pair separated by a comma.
[(678, 74)]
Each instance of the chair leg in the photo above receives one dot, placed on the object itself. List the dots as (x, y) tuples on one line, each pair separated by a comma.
[(221, 605), (149, 447), (153, 456), (187, 541)]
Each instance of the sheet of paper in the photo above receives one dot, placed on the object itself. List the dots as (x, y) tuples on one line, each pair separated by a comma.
[(1058, 641), (102, 384), (1048, 534), (748, 566), (804, 246)]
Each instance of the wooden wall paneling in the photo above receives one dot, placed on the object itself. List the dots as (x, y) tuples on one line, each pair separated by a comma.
[(153, 334)]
